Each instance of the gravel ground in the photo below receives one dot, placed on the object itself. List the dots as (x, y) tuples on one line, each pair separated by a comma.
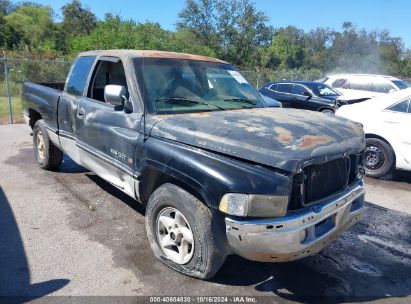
[(70, 233)]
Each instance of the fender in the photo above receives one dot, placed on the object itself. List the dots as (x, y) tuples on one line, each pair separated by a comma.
[(210, 174)]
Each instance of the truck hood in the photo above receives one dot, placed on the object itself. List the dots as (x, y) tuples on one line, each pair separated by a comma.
[(280, 138)]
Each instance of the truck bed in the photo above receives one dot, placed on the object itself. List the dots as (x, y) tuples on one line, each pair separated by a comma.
[(42, 98)]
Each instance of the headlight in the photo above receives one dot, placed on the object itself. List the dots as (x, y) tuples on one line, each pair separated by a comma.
[(254, 205)]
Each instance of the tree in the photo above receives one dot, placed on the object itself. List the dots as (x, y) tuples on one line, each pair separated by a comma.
[(5, 7), (77, 20), (317, 43), (34, 26), (187, 42), (199, 17), (233, 29), (286, 50), (115, 33)]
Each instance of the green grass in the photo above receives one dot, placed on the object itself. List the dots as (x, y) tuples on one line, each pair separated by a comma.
[(15, 106)]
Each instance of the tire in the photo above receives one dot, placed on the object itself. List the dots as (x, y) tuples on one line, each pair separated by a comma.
[(379, 158), (327, 111), (206, 255), (48, 156)]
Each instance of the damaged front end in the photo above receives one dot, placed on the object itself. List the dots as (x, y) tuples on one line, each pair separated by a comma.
[(300, 233), (321, 155)]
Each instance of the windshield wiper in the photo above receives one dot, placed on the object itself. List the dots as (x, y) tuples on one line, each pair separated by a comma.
[(243, 100), (182, 100)]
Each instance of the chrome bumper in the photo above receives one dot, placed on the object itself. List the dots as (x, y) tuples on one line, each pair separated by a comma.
[(298, 234)]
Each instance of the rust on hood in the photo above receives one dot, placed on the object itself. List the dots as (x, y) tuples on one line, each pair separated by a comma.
[(310, 141), (281, 138), (284, 135), (200, 114)]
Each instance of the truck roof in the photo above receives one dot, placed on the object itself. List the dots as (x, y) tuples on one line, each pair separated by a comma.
[(149, 53)]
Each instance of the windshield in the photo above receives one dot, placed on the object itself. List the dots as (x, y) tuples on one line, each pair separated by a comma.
[(321, 89), (401, 84), (185, 86)]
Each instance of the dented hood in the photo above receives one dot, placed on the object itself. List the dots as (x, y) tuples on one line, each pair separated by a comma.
[(280, 138)]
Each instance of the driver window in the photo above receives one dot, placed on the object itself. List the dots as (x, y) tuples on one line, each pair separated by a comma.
[(298, 89), (106, 72)]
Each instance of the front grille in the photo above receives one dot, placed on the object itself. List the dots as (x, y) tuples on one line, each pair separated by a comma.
[(319, 181), (325, 179)]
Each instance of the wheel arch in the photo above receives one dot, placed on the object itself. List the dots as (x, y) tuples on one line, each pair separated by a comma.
[(375, 136), (322, 108), (34, 116), (151, 178)]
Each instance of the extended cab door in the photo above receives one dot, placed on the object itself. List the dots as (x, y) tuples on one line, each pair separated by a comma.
[(106, 135), (69, 103)]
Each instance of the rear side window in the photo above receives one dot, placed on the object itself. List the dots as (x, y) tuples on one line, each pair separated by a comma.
[(78, 76), (360, 84), (403, 107), (382, 86), (284, 87), (338, 83)]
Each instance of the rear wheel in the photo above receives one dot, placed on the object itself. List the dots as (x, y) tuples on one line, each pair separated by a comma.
[(379, 158), (48, 156), (183, 232)]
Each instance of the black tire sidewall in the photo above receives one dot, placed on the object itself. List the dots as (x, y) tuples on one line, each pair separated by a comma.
[(388, 155), (199, 217)]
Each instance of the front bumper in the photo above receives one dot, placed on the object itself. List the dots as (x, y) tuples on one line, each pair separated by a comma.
[(299, 233)]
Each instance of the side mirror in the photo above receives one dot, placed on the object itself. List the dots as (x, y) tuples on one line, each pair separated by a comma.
[(115, 94)]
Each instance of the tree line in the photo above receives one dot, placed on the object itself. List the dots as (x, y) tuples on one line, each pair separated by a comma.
[(232, 30)]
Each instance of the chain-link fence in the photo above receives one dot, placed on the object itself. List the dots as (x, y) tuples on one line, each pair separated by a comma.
[(13, 72)]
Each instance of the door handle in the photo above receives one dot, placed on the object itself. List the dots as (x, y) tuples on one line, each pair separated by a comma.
[(80, 113)]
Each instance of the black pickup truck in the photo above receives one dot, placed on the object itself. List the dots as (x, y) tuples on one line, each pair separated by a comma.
[(189, 138)]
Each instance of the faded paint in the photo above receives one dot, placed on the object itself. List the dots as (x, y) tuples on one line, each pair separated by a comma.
[(310, 141), (284, 135), (150, 54), (280, 138)]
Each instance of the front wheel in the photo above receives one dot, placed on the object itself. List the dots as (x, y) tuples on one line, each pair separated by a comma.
[(327, 111), (48, 156), (379, 158), (183, 232)]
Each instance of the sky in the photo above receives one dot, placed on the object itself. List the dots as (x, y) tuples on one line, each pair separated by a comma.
[(394, 16)]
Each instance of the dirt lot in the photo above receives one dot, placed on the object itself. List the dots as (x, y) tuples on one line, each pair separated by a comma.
[(70, 233)]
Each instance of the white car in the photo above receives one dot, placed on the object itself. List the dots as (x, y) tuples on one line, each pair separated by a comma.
[(364, 86), (387, 126)]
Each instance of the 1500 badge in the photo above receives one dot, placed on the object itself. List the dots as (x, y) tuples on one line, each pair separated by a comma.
[(121, 157)]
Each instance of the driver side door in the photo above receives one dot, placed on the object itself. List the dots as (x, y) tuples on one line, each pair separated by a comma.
[(107, 136)]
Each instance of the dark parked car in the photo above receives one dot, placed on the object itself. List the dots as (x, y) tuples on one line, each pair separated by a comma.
[(314, 96)]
